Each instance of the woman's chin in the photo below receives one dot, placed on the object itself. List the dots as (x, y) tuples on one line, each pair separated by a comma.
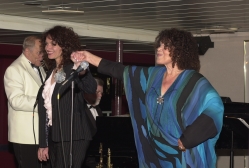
[(50, 57)]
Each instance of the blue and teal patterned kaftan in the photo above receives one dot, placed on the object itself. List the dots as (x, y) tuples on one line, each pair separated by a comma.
[(191, 110)]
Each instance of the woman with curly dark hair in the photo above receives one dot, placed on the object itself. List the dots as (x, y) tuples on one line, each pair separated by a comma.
[(176, 113), (55, 101)]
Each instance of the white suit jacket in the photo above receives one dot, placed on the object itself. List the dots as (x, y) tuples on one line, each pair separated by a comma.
[(21, 84)]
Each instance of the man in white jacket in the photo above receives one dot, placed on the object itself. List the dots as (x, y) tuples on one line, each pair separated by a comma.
[(22, 80)]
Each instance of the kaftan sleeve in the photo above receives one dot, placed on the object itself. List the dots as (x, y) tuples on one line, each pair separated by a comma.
[(209, 122), (111, 68)]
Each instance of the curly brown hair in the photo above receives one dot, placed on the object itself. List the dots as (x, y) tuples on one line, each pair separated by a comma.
[(67, 39), (182, 46)]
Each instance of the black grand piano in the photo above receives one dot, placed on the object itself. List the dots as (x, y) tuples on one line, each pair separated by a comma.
[(236, 116), (116, 133)]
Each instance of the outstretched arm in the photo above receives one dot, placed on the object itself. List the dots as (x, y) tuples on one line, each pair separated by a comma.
[(107, 67)]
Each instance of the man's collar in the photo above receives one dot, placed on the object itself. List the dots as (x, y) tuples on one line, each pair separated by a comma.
[(91, 106)]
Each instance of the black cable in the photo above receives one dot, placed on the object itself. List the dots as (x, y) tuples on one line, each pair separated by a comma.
[(33, 123), (36, 102)]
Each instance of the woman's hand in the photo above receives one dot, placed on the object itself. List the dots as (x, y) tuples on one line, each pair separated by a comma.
[(80, 56), (181, 146), (77, 58), (43, 154)]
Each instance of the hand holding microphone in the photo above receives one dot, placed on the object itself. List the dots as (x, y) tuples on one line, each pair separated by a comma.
[(77, 58), (86, 56), (83, 66)]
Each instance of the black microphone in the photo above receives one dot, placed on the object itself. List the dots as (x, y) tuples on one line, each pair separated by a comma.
[(83, 66)]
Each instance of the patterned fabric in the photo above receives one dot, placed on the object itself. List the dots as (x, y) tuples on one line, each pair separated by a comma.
[(158, 125)]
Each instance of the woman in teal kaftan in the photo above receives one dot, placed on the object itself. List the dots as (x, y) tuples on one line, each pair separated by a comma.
[(176, 113)]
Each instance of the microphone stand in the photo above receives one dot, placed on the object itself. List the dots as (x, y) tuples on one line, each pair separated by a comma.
[(83, 66), (71, 127), (231, 152)]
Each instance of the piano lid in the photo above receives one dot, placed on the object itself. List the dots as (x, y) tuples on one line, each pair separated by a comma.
[(236, 109)]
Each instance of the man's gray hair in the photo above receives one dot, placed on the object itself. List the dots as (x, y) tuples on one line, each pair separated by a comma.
[(29, 42)]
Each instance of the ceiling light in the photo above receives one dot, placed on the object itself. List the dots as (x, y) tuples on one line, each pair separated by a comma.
[(219, 29), (62, 7), (34, 3), (60, 11)]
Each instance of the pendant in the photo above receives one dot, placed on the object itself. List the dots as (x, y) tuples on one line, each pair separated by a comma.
[(160, 100)]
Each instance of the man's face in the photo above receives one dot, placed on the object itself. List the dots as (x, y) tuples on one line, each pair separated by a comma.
[(99, 93), (94, 99), (36, 54)]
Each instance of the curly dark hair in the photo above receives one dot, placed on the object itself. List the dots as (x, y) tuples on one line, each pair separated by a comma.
[(67, 39), (182, 46)]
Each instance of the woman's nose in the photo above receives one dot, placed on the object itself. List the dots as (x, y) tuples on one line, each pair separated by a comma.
[(47, 46)]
